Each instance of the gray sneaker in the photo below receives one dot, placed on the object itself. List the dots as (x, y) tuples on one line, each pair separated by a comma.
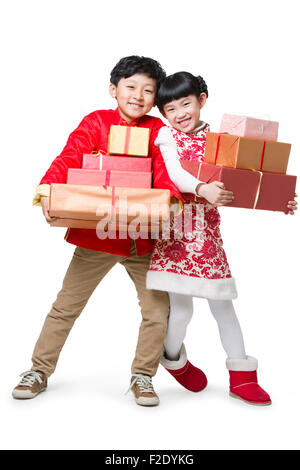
[(142, 388), (31, 384)]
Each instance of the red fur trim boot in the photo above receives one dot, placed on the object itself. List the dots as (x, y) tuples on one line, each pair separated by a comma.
[(243, 381), (184, 372)]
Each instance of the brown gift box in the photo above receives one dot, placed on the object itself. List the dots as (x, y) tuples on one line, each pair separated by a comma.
[(126, 140), (246, 153), (113, 230), (90, 204), (251, 189)]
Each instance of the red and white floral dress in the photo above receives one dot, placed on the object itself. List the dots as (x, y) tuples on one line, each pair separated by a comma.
[(192, 262)]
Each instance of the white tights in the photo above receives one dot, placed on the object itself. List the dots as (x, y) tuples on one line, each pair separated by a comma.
[(181, 311)]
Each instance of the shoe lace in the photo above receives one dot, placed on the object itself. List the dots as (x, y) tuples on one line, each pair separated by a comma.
[(144, 382), (29, 377)]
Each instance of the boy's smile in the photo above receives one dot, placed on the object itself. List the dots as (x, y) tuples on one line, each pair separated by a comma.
[(184, 114), (135, 95)]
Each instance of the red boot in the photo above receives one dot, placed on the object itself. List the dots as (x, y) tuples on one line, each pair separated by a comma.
[(243, 381), (184, 372)]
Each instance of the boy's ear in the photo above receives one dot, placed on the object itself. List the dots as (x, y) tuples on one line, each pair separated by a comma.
[(202, 99), (112, 90)]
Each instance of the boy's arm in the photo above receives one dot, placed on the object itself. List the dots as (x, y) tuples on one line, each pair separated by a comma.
[(41, 190), (83, 139)]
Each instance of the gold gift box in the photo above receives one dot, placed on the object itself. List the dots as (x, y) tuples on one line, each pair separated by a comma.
[(126, 140)]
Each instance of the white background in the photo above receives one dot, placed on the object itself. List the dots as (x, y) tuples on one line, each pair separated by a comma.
[(56, 59)]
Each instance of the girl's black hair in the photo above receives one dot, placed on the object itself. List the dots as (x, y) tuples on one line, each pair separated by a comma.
[(178, 86)]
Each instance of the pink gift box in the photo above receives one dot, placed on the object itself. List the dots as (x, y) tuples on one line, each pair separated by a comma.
[(244, 126), (113, 162), (122, 179)]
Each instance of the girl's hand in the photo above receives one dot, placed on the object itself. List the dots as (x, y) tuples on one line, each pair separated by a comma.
[(292, 207), (45, 208), (215, 193)]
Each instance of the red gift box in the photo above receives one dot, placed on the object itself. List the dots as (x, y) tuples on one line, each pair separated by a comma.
[(122, 179), (251, 189), (113, 162)]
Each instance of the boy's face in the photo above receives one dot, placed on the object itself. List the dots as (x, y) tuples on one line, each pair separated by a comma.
[(135, 95), (184, 114)]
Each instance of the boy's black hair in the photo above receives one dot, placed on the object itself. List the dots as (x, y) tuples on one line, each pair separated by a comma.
[(178, 86), (128, 66)]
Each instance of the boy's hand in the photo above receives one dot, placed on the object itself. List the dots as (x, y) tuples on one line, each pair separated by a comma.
[(215, 193), (292, 207), (45, 208)]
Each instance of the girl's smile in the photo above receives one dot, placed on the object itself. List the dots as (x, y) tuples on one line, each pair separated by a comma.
[(185, 122)]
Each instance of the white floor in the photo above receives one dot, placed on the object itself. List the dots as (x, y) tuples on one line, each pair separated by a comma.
[(89, 411), (85, 406)]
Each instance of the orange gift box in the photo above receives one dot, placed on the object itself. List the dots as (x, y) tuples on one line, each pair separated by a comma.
[(246, 153), (90, 204), (126, 140)]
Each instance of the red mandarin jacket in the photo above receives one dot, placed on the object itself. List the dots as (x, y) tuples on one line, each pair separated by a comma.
[(92, 135)]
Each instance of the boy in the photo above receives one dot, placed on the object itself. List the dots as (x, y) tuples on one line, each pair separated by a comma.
[(134, 82)]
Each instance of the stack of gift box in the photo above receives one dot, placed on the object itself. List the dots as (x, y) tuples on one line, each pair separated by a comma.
[(247, 158), (114, 187)]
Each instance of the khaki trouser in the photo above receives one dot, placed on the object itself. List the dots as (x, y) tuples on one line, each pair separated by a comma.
[(86, 270)]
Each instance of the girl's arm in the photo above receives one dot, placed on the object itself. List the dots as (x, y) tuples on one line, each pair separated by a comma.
[(185, 182), (215, 192)]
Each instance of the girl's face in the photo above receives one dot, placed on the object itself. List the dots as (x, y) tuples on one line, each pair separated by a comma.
[(184, 114)]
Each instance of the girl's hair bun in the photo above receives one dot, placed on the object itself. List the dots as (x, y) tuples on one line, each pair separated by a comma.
[(202, 85)]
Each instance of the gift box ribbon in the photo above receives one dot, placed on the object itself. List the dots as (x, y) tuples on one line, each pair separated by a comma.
[(258, 188), (99, 153), (96, 153), (127, 139), (128, 126), (113, 204), (107, 178), (113, 191), (218, 146)]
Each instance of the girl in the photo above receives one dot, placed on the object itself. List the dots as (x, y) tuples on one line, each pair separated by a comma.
[(196, 264)]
